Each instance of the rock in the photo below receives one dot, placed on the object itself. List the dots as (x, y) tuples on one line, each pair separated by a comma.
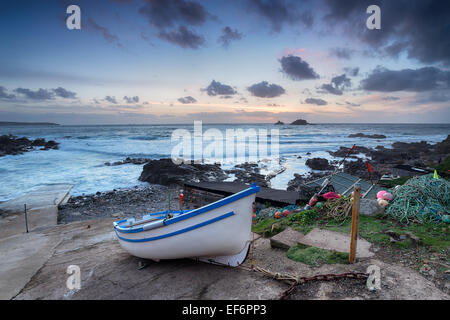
[(413, 237), (286, 239), (299, 122), (318, 164), (279, 123), (248, 173), (10, 144), (165, 172), (362, 135), (369, 207)]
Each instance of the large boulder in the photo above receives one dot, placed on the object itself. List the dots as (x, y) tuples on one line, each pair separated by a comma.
[(318, 164), (370, 207), (165, 172)]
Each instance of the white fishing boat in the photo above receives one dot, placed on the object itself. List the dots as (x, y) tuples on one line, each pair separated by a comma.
[(219, 232)]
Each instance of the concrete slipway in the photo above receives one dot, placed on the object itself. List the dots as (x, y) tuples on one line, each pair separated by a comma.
[(34, 265)]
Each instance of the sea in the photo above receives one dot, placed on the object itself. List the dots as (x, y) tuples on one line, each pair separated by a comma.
[(84, 150)]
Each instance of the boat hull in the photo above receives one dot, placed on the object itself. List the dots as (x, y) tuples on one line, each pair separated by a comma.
[(221, 229)]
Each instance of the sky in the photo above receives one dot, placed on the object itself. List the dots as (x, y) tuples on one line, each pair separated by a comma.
[(235, 61)]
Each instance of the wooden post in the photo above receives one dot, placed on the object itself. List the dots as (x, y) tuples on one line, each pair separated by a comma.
[(355, 218)]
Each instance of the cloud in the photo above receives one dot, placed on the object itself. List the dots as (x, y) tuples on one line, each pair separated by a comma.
[(41, 94), (266, 90), (416, 27), (229, 35), (352, 104), (183, 37), (433, 97), (111, 38), (63, 93), (416, 80), (342, 53), (168, 13), (318, 101), (187, 100), (390, 98), (352, 72), (111, 99), (134, 99), (297, 69), (280, 12), (216, 88), (4, 95), (337, 85)]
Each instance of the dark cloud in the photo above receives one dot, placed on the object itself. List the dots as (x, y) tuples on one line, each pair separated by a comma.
[(342, 53), (416, 80), (134, 99), (4, 94), (111, 99), (281, 12), (390, 98), (229, 35), (352, 72), (226, 97), (183, 37), (318, 101), (63, 93), (41, 94), (266, 90), (419, 28), (187, 100), (297, 69), (433, 97), (111, 38), (216, 88), (337, 85), (168, 13)]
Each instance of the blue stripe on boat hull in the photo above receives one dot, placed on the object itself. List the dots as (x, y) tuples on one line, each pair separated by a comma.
[(199, 225)]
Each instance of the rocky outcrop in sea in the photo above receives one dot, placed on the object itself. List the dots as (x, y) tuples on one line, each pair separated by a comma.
[(12, 145)]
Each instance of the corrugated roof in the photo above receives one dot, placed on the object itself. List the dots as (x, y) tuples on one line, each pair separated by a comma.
[(343, 184)]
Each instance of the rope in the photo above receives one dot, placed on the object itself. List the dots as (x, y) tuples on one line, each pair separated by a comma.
[(420, 199)]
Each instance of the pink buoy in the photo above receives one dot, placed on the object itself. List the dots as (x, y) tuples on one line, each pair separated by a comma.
[(380, 194)]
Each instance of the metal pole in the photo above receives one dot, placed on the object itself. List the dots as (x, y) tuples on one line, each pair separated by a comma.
[(355, 219), (26, 217)]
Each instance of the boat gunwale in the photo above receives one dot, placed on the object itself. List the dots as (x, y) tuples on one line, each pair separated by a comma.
[(190, 214)]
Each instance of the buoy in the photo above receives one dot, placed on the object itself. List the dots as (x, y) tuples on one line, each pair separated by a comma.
[(380, 194), (286, 212), (387, 196), (278, 215)]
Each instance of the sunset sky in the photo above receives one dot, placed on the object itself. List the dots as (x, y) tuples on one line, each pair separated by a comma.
[(252, 61)]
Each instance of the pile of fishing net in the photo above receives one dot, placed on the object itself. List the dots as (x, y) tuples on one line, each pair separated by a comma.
[(423, 199)]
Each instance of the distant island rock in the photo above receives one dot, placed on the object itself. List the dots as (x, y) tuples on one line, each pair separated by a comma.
[(279, 123), (10, 144), (371, 136), (8, 123), (299, 122)]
